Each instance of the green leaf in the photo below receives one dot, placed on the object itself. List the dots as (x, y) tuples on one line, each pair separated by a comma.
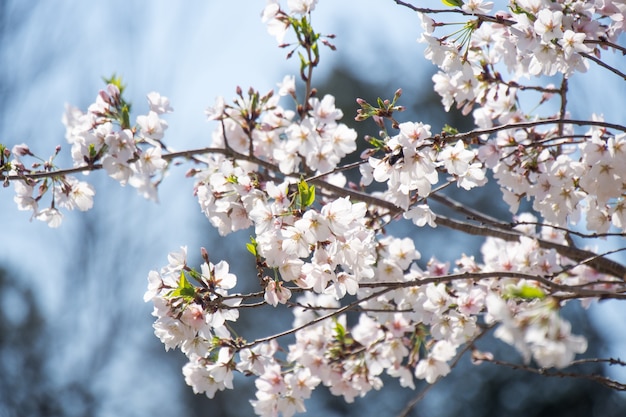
[(125, 119), (516, 9), (252, 246), (340, 331), (92, 151), (527, 292), (254, 103), (310, 196), (450, 130), (453, 3), (185, 289), (304, 24), (377, 143), (306, 194), (315, 49), (303, 62)]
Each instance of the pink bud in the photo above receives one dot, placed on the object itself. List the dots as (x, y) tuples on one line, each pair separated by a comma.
[(205, 254), (21, 150)]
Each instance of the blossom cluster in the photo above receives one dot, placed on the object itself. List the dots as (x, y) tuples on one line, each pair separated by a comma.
[(569, 186), (536, 38), (231, 192), (101, 136), (411, 168), (412, 321), (194, 319), (328, 248)]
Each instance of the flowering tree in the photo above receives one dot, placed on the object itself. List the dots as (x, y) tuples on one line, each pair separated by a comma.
[(320, 243)]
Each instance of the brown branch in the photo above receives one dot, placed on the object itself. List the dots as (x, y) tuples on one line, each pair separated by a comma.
[(467, 211), (610, 361), (608, 44), (356, 195), (342, 168), (523, 125), (600, 264), (416, 399), (608, 382), (604, 65), (482, 17), (314, 321), (580, 255), (567, 291), (563, 109), (573, 232), (52, 174), (521, 87), (505, 231), (354, 310)]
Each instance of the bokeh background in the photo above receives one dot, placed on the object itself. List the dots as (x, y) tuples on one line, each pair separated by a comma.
[(75, 336)]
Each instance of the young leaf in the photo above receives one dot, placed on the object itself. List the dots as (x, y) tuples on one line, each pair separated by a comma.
[(527, 292), (125, 120), (184, 290), (453, 3), (306, 194), (340, 331), (252, 246), (450, 130), (310, 196)]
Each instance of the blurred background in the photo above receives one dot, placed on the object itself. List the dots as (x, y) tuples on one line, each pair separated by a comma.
[(76, 338)]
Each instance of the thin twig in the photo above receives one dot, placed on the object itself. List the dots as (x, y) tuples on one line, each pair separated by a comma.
[(610, 361), (604, 65), (416, 399), (602, 265), (608, 382), (420, 396), (563, 109), (336, 170), (523, 125), (478, 276), (483, 17), (314, 321), (572, 232), (607, 44)]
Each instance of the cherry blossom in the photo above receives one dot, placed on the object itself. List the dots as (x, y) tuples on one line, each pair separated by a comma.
[(364, 303)]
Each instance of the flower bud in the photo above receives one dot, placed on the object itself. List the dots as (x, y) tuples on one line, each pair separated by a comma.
[(20, 150)]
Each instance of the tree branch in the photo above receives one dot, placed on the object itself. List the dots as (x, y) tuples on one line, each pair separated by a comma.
[(607, 44), (600, 264), (567, 291), (604, 65), (478, 132), (314, 321), (608, 382), (483, 17)]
